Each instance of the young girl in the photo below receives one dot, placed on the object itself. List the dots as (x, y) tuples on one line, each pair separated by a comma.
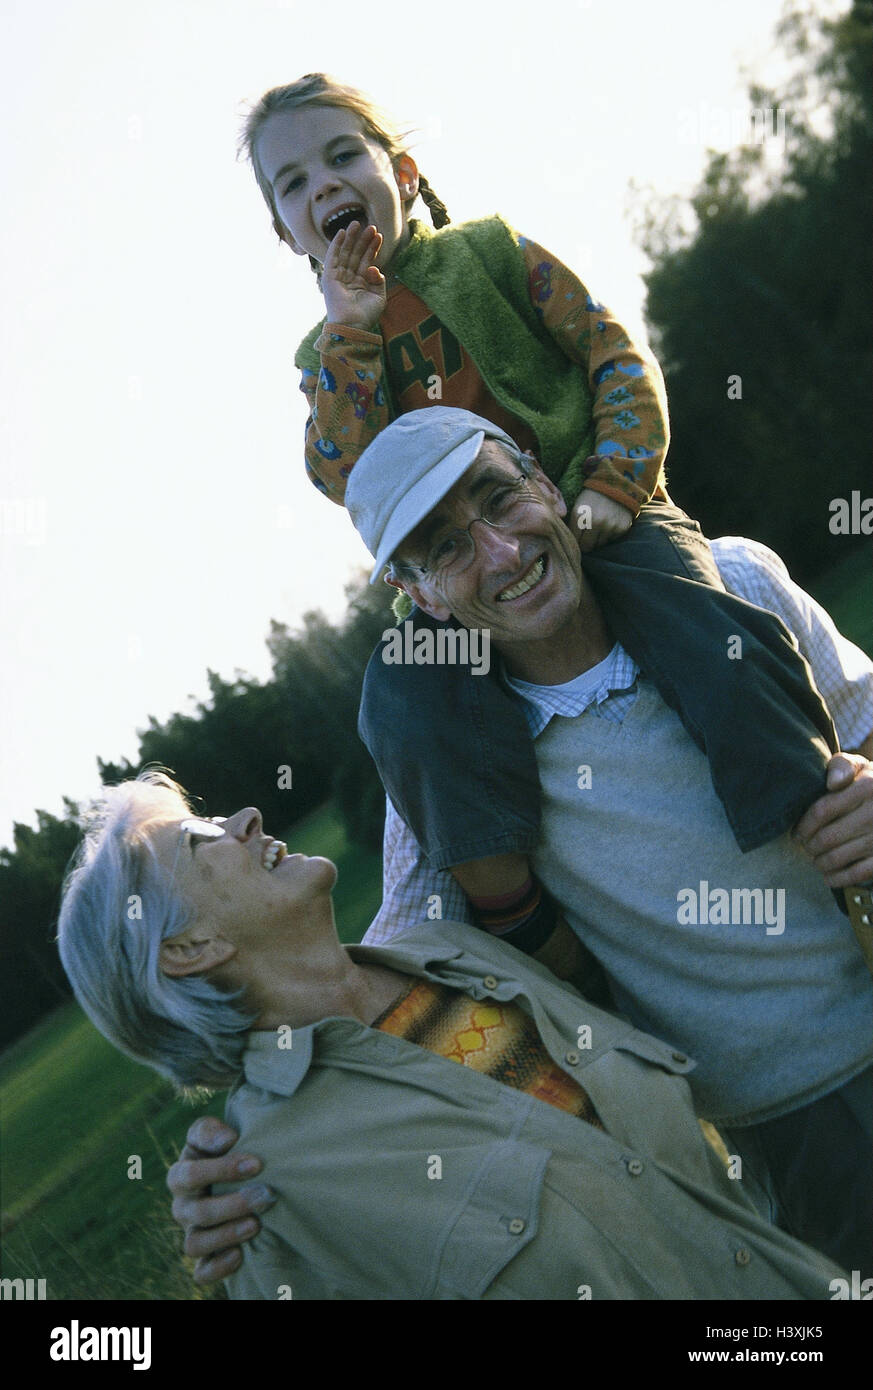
[(479, 317)]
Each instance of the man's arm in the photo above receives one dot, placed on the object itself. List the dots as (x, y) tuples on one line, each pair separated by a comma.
[(842, 672), (412, 893), (215, 1226), (837, 830)]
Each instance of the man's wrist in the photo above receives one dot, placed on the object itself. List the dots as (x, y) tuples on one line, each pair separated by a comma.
[(525, 918)]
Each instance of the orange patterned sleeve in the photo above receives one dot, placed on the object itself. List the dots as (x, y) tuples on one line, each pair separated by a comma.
[(631, 425), (347, 405)]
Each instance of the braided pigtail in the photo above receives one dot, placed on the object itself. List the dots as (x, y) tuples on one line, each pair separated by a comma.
[(438, 215)]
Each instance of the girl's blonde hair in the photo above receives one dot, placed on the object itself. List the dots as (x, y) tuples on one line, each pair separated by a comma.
[(318, 89)]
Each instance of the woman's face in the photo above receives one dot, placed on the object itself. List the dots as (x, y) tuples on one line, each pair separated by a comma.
[(243, 884), (320, 166)]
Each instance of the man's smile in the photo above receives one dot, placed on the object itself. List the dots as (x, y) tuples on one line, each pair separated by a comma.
[(532, 576)]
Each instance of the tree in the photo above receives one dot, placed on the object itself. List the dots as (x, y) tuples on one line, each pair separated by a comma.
[(286, 745), (319, 674), (759, 309), (31, 874)]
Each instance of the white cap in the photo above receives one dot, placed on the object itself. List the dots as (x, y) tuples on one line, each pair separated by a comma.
[(408, 468)]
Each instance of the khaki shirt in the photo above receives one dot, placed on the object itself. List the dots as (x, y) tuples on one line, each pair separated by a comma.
[(404, 1175)]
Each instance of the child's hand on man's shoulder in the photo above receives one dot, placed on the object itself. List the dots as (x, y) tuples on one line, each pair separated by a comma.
[(597, 519)]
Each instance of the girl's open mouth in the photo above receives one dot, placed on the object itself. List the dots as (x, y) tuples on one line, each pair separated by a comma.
[(343, 217)]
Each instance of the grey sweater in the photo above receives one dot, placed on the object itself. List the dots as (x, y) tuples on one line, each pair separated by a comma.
[(646, 857)]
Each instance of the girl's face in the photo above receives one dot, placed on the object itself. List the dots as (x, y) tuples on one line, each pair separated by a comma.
[(325, 172)]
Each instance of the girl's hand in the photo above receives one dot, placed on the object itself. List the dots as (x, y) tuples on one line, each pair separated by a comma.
[(597, 519), (353, 286)]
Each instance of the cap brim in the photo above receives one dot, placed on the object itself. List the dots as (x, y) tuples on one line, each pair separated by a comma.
[(423, 496)]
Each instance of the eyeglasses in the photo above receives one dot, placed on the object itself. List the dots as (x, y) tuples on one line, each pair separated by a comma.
[(198, 829), (452, 548)]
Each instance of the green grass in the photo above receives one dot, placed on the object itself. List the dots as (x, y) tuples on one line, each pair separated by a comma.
[(73, 1113)]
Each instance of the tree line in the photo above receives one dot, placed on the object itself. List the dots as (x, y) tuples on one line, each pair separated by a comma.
[(287, 745), (759, 305)]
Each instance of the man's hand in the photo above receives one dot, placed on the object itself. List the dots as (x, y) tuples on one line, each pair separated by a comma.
[(837, 830), (597, 519), (215, 1227), (354, 288)]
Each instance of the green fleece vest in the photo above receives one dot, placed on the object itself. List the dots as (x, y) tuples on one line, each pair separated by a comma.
[(474, 278)]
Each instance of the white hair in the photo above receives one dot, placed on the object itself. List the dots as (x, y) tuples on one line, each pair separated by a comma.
[(118, 905)]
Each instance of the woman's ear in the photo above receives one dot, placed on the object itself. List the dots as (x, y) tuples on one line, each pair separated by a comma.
[(193, 952), (406, 174)]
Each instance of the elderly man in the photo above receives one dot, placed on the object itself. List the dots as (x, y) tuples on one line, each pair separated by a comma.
[(741, 961)]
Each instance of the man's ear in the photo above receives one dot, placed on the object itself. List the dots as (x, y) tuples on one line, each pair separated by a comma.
[(546, 485), (423, 596), (193, 952), (406, 174)]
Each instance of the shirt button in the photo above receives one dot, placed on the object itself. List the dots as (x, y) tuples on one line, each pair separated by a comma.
[(572, 1058), (490, 982), (679, 1057), (635, 1166), (742, 1256), (516, 1226)]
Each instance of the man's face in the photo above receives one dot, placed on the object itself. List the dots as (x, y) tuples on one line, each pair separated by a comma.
[(524, 581)]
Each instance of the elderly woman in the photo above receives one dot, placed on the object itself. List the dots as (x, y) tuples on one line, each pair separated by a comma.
[(440, 1119)]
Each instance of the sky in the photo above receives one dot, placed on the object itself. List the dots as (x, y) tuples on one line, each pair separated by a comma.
[(154, 513)]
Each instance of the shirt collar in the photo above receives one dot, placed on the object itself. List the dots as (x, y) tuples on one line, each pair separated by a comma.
[(540, 703)]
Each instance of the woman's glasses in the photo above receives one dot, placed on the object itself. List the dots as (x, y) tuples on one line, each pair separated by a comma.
[(198, 829)]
